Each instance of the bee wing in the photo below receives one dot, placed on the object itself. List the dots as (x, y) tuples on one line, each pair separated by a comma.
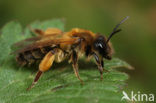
[(25, 42), (32, 40), (47, 42), (48, 33)]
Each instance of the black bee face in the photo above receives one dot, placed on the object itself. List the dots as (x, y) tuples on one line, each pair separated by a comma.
[(102, 44), (103, 48)]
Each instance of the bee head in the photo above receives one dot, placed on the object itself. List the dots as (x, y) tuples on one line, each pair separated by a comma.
[(103, 48), (102, 45)]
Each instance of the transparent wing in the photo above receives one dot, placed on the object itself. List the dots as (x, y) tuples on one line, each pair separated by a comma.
[(37, 42)]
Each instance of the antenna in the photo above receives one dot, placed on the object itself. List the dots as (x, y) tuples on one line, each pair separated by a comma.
[(116, 30)]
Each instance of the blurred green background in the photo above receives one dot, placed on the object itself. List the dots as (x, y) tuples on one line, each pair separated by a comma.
[(136, 43)]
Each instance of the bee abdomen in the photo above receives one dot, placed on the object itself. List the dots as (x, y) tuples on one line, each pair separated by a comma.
[(37, 54), (30, 57), (21, 60), (25, 58)]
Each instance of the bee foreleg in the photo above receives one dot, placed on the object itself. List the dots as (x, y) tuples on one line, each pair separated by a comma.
[(99, 64), (75, 65), (102, 63), (45, 65)]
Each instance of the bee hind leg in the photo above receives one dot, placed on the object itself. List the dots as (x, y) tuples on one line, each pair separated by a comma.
[(75, 66), (45, 65)]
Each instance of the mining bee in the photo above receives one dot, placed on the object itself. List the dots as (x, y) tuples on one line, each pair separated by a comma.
[(55, 45)]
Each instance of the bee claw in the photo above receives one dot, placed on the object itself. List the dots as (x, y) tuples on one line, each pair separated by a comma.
[(101, 77), (32, 85), (106, 70), (82, 83), (28, 88)]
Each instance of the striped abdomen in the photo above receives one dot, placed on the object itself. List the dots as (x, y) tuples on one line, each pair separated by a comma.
[(30, 57)]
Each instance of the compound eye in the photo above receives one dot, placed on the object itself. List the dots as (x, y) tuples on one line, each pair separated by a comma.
[(99, 43), (99, 46)]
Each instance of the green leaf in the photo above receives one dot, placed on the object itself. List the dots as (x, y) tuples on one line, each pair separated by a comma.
[(59, 84)]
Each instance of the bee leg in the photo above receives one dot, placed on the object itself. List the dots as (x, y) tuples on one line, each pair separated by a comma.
[(75, 65), (99, 64), (102, 63), (45, 65)]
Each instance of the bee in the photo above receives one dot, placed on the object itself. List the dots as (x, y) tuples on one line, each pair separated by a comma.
[(55, 45)]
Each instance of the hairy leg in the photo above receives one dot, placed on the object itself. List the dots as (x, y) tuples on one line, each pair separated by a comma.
[(45, 65), (99, 64), (75, 65)]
